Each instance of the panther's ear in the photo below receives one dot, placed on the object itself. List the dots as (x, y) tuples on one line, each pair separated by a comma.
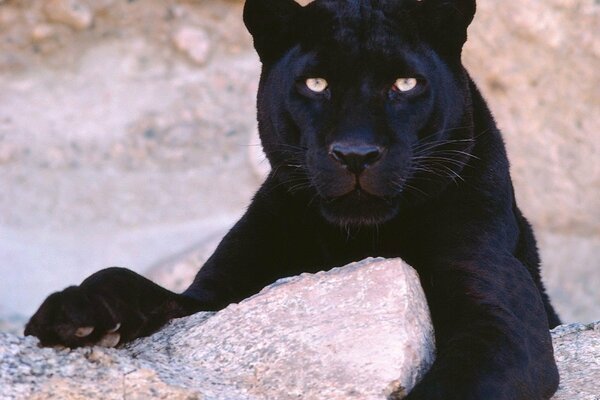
[(270, 22), (446, 23)]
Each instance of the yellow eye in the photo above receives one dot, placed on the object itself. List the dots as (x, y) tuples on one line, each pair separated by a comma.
[(317, 85), (405, 84)]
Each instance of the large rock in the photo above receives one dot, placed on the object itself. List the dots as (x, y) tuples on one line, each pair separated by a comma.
[(577, 352), (362, 332)]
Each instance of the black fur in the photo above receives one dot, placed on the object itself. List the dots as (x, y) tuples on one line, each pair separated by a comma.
[(363, 169)]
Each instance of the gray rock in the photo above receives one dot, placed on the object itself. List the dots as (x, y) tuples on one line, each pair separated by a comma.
[(362, 331), (577, 351)]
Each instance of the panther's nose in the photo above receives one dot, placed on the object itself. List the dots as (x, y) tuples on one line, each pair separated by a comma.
[(355, 157)]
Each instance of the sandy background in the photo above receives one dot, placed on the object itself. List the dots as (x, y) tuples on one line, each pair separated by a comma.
[(125, 128)]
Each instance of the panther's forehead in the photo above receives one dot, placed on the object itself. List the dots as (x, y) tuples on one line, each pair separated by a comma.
[(365, 6), (361, 26)]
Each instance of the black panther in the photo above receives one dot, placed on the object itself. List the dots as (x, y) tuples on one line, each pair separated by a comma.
[(380, 145)]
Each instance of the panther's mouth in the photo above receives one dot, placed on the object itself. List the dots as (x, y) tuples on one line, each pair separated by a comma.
[(359, 208)]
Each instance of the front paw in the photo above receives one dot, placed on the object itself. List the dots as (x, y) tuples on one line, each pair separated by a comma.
[(112, 306), (74, 318)]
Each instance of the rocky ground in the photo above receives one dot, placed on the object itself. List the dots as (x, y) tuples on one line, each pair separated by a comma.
[(362, 332), (357, 332), (125, 128)]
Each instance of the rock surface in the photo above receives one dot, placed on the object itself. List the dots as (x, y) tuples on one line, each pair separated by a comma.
[(358, 332), (577, 352)]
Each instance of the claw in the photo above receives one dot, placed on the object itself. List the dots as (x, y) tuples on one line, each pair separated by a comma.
[(84, 331), (116, 328), (110, 340)]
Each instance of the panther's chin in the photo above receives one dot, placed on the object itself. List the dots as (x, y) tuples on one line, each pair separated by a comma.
[(359, 208)]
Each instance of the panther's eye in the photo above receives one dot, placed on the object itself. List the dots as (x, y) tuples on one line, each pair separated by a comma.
[(405, 84), (317, 85)]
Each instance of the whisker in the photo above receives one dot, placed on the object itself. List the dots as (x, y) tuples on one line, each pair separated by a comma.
[(452, 161), (445, 130), (452, 151), (431, 145), (416, 189)]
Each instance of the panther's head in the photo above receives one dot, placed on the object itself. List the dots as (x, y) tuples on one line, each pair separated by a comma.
[(363, 104)]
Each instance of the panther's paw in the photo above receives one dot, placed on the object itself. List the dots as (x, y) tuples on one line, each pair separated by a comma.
[(75, 318), (113, 306)]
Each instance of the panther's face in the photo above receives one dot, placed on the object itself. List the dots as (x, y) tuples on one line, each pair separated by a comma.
[(358, 107)]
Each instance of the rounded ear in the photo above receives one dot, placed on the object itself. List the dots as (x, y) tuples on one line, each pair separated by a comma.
[(271, 22), (446, 23)]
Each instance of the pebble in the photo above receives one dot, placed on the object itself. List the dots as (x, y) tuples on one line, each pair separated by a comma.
[(194, 42), (69, 12), (42, 32)]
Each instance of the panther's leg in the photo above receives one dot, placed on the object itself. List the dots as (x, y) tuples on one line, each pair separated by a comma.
[(491, 332), (117, 305), (268, 243), (527, 253)]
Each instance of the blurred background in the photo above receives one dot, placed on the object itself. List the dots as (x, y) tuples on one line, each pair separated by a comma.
[(127, 137)]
